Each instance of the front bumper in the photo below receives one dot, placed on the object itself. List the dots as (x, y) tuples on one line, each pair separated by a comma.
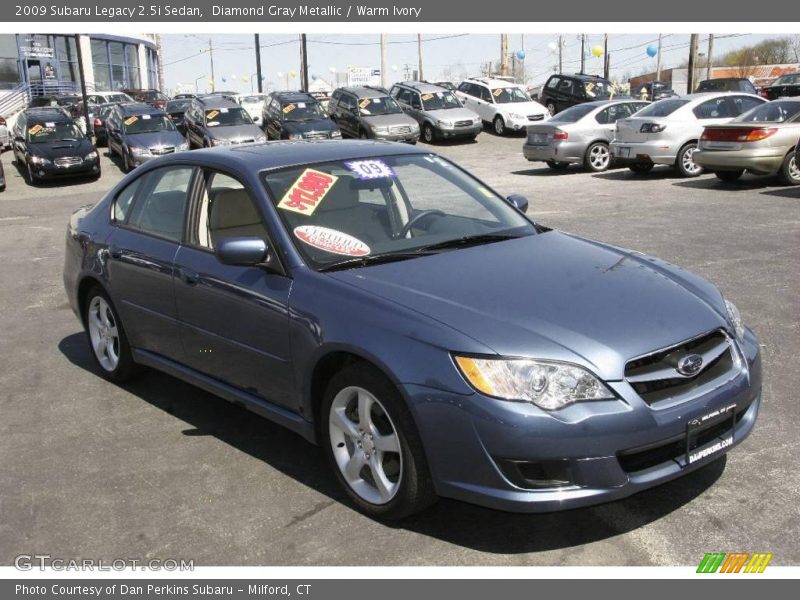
[(411, 138), (763, 161), (456, 132), (51, 171), (571, 152), (522, 124), (658, 152), (604, 450)]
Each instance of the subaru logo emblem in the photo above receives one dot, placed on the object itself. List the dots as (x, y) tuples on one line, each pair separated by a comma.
[(690, 365)]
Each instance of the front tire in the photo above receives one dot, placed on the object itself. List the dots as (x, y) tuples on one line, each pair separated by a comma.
[(373, 446), (108, 343), (789, 173), (598, 157), (428, 134), (499, 125), (551, 107), (684, 164)]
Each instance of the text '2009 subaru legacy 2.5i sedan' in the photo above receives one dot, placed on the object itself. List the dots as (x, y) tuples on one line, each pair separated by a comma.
[(380, 301)]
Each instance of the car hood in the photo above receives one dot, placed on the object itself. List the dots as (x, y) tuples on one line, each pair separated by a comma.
[(453, 114), (157, 138), (552, 296), (235, 132), (389, 120), (523, 108), (52, 150), (309, 126)]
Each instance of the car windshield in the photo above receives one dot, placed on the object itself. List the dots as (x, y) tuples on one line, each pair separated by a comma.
[(792, 79), (506, 95), (439, 100), (253, 100), (662, 108), (387, 208), (770, 112), (46, 131), (147, 124), (177, 105), (118, 98), (220, 117), (302, 111), (597, 88), (572, 114), (150, 96), (383, 105)]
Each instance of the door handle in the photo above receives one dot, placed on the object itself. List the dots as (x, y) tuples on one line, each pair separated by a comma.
[(115, 252), (188, 276)]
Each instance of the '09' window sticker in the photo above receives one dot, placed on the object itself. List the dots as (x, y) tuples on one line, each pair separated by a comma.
[(370, 169)]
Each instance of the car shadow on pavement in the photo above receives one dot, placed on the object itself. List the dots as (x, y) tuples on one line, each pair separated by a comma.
[(785, 192), (455, 522), (625, 174)]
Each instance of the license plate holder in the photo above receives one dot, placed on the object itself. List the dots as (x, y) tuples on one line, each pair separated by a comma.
[(696, 451), (539, 138), (624, 151)]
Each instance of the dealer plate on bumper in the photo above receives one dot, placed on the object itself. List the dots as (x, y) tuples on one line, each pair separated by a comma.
[(722, 420), (624, 151)]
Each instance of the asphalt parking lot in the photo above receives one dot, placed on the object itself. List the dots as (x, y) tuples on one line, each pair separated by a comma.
[(159, 469)]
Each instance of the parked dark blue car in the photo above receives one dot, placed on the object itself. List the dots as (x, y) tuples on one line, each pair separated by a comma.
[(382, 302)]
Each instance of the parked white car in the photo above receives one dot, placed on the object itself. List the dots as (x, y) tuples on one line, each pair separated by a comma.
[(253, 104), (507, 106), (667, 131)]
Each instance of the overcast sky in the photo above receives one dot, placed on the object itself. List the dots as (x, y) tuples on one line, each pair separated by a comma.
[(186, 58)]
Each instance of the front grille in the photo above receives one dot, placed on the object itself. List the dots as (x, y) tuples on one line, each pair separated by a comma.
[(247, 141), (656, 378), (68, 161), (400, 129), (162, 150), (535, 117), (463, 123), (640, 459), (316, 135)]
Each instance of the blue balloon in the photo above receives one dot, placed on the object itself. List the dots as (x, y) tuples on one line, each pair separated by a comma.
[(224, 80), (313, 77), (652, 51), (521, 54)]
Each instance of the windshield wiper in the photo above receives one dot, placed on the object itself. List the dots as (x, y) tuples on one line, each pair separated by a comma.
[(463, 242), (376, 259)]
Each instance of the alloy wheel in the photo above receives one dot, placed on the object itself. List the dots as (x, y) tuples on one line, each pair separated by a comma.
[(103, 333), (794, 170), (499, 126), (599, 157), (691, 167), (365, 444)]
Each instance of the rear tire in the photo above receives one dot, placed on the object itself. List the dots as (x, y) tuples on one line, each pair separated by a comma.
[(729, 175), (684, 164), (597, 158), (108, 342), (373, 445), (641, 168), (557, 166), (789, 173), (551, 107)]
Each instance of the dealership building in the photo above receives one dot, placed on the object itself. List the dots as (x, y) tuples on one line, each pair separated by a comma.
[(34, 64)]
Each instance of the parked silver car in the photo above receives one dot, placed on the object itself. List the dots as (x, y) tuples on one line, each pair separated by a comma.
[(761, 141), (579, 134), (667, 131), (371, 113), (437, 110)]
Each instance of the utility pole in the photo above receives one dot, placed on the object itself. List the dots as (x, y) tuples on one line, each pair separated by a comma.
[(303, 62), (258, 64), (159, 63), (419, 52), (504, 54), (583, 53), (383, 60), (560, 53), (605, 56), (658, 60), (709, 56), (524, 78), (211, 59), (690, 83), (82, 75)]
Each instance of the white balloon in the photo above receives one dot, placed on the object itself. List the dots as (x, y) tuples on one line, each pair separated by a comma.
[(233, 76), (332, 69), (280, 74), (394, 67), (552, 46)]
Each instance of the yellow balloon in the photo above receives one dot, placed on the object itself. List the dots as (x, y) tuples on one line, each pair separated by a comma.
[(293, 73), (597, 51)]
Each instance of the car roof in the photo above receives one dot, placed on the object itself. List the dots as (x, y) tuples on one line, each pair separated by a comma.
[(284, 153), (492, 81), (215, 101), (51, 113), (139, 108), (364, 91), (421, 86), (293, 96)]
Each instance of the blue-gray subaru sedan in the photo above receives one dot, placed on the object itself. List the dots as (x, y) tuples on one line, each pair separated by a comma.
[(381, 301)]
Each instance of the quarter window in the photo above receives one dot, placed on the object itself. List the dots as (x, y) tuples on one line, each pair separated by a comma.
[(160, 207), (123, 202)]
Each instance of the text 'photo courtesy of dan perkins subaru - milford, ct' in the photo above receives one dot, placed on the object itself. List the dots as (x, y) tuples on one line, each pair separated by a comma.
[(396, 299)]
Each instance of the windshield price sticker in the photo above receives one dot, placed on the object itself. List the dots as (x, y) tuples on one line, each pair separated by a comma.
[(211, 114), (331, 240), (306, 194), (498, 92), (427, 96), (364, 103), (131, 120), (35, 129), (370, 169), (301, 105), (288, 108), (146, 117)]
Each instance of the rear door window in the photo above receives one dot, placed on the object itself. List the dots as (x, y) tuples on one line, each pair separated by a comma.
[(159, 208)]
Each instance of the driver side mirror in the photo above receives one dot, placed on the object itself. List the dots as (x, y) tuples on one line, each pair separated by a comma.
[(244, 252), (519, 202)]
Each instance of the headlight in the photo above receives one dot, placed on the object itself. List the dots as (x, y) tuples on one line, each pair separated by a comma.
[(548, 385), (442, 123), (137, 151), (184, 146), (376, 129), (91, 156), (261, 138), (652, 128), (295, 136), (515, 116), (476, 120), (39, 160), (336, 134), (735, 318), (220, 142)]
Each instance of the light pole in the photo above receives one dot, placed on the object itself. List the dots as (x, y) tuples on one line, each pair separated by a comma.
[(196, 89)]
